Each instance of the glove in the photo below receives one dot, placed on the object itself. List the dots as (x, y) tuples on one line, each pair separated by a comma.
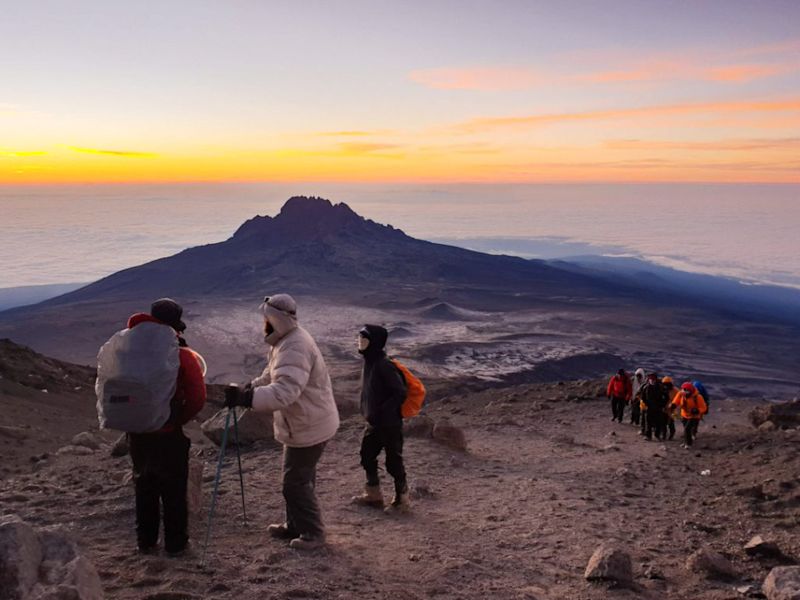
[(695, 411), (236, 396)]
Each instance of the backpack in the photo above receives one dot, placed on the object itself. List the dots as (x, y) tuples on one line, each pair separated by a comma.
[(415, 392), (698, 385), (137, 375)]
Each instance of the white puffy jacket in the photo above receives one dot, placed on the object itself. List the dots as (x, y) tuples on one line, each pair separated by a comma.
[(295, 386)]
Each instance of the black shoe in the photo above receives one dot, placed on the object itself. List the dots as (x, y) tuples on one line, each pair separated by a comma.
[(147, 550)]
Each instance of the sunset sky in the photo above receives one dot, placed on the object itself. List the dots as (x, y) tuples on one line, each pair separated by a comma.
[(445, 91)]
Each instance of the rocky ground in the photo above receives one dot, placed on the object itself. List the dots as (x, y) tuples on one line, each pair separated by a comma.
[(545, 480)]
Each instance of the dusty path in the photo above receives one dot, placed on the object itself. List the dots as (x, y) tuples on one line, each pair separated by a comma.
[(546, 480)]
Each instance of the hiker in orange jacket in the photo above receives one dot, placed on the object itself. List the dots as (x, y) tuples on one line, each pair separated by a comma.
[(693, 407), (619, 391)]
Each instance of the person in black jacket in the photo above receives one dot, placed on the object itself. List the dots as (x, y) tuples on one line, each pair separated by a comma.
[(383, 390), (655, 398)]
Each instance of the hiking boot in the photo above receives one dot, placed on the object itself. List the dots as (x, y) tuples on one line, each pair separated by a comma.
[(185, 552), (147, 550), (401, 505), (307, 542), (372, 497), (281, 531)]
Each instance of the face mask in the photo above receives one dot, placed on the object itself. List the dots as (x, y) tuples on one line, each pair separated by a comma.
[(363, 343)]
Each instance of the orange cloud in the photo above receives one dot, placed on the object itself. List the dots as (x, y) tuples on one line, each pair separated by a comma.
[(714, 146), (744, 73), (489, 123), (123, 153), (355, 133), (23, 153), (487, 79)]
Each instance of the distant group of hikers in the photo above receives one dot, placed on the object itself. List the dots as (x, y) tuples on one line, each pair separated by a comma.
[(655, 402), (150, 384)]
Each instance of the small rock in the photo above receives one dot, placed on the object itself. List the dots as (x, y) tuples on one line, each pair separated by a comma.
[(767, 426), (705, 472), (87, 440), (757, 546), (419, 427), (711, 564), (75, 451), (782, 583), (450, 435), (120, 447), (609, 564), (253, 427)]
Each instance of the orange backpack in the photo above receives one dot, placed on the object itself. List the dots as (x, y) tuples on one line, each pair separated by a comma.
[(415, 392)]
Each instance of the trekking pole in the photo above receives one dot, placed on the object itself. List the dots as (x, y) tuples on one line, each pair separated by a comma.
[(239, 460), (216, 484)]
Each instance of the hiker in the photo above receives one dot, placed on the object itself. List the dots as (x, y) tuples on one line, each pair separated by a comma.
[(655, 399), (619, 392), (669, 412), (693, 407), (161, 458), (637, 384), (296, 388), (383, 390)]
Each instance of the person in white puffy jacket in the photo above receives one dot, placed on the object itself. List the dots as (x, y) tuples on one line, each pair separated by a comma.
[(296, 388)]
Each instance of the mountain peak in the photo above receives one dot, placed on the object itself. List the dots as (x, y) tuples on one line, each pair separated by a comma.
[(304, 218)]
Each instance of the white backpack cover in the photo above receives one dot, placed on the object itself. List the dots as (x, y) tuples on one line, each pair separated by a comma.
[(137, 374)]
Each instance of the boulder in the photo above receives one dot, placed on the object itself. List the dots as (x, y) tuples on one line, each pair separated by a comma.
[(87, 440), (782, 583), (420, 427), (253, 427), (609, 563), (757, 546), (767, 426), (43, 565), (784, 415), (20, 557), (450, 435), (711, 564)]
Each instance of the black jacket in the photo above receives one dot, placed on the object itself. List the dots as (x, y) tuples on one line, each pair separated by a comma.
[(383, 388), (655, 396)]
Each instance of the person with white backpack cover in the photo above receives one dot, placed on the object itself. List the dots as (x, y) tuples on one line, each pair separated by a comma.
[(150, 384)]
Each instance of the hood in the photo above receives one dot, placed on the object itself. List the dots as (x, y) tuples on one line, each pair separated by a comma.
[(639, 374), (281, 312), (377, 337)]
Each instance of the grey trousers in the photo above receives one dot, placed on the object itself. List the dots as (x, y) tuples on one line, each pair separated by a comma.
[(303, 515)]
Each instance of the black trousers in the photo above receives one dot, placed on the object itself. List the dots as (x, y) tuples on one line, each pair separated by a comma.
[(635, 411), (617, 408), (671, 427), (160, 473), (390, 440), (303, 515), (690, 430), (655, 423)]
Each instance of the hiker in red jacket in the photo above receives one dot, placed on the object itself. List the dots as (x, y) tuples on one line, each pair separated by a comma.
[(161, 459), (619, 391)]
